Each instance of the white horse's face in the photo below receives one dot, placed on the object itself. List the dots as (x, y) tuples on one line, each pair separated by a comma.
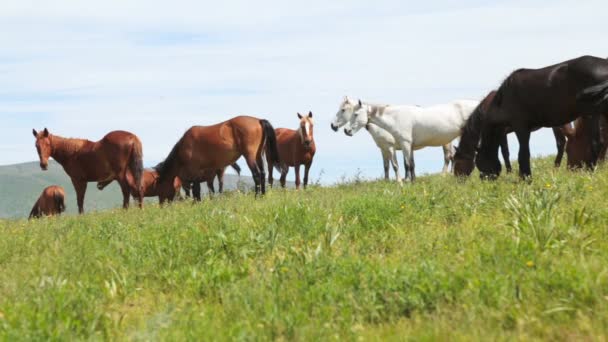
[(344, 114), (358, 120)]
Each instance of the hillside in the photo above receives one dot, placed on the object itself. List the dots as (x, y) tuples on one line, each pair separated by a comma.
[(435, 260), (21, 184)]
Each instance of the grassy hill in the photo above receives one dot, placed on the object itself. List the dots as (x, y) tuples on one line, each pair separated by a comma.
[(21, 184), (435, 260)]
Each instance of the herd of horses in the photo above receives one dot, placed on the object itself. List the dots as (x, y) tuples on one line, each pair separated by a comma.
[(571, 97)]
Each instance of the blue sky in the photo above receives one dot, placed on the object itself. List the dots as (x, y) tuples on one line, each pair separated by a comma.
[(155, 67)]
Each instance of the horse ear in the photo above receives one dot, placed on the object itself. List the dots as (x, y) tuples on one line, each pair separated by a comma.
[(46, 133), (310, 114), (359, 103), (346, 98), (299, 116), (35, 133)]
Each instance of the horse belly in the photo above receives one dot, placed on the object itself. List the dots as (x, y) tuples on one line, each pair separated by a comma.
[(434, 135)]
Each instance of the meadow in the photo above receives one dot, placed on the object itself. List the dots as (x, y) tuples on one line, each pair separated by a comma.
[(363, 260)]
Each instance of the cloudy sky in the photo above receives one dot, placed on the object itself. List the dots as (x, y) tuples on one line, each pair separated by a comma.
[(83, 68)]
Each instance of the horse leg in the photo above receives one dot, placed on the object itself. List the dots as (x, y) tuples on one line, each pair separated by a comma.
[(306, 170), (126, 193), (395, 162), (210, 186), (447, 157), (406, 147), (412, 167), (297, 169), (560, 143), (523, 136), (262, 165), (386, 154), (255, 173), (504, 149), (596, 145), (196, 191), (284, 172), (81, 189)]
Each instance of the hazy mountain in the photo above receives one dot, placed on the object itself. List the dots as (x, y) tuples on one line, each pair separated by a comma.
[(21, 184)]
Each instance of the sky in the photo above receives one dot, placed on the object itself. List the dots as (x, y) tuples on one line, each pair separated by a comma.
[(155, 68)]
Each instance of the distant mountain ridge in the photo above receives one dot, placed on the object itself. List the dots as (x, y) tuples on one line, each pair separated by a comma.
[(21, 184)]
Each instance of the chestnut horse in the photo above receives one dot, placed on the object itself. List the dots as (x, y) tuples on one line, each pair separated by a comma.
[(578, 147), (464, 167), (51, 202), (208, 177), (296, 147), (118, 156), (215, 147), (165, 192)]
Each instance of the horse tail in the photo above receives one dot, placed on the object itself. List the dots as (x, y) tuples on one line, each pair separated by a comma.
[(597, 94), (136, 164), (236, 168), (164, 168), (35, 213), (59, 201), (270, 139)]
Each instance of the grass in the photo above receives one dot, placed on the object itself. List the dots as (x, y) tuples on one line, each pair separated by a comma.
[(438, 259)]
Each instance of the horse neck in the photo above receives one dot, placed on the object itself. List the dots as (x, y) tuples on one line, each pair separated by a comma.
[(63, 149), (471, 133)]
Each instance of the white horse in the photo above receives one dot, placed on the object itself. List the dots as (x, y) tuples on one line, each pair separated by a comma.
[(383, 139), (414, 127)]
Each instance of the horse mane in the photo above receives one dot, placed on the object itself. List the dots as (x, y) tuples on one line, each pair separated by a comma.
[(471, 131), (163, 168), (505, 84), (68, 146)]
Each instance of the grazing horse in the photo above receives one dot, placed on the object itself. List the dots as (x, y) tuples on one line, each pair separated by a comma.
[(118, 156), (165, 192), (532, 98), (414, 127), (208, 177), (462, 168), (51, 202), (383, 139), (296, 147), (215, 147), (578, 147)]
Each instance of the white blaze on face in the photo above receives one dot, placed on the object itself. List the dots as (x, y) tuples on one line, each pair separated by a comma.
[(307, 129)]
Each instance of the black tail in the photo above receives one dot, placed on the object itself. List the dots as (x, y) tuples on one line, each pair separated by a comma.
[(165, 167), (271, 141), (35, 213), (59, 202), (598, 94), (236, 168), (136, 164)]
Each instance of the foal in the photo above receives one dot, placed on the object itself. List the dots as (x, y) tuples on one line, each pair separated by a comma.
[(296, 147), (578, 146), (51, 202)]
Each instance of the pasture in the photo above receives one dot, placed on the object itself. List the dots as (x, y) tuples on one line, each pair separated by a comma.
[(437, 259)]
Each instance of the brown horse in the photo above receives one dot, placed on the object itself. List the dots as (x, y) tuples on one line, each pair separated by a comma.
[(118, 156), (296, 147), (165, 192), (51, 202), (208, 177), (578, 147), (215, 147)]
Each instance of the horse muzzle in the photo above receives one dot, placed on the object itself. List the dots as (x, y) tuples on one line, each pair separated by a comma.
[(44, 167), (335, 128), (348, 132)]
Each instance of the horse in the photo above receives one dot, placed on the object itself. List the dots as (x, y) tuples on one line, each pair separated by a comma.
[(532, 98), (165, 192), (117, 156), (296, 148), (578, 147), (383, 139), (414, 127), (217, 146), (461, 168), (208, 177), (51, 202)]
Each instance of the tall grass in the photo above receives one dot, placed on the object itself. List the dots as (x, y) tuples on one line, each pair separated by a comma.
[(438, 259)]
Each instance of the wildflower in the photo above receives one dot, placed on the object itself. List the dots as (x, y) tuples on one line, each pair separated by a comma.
[(403, 206), (548, 185), (530, 263), (589, 188)]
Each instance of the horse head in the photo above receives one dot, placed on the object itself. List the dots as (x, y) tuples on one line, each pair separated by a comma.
[(463, 164), (345, 111), (43, 146), (305, 129), (359, 119)]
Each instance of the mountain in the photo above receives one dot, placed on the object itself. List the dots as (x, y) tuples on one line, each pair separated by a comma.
[(21, 184)]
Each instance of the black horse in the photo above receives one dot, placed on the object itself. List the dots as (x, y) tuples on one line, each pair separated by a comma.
[(529, 99)]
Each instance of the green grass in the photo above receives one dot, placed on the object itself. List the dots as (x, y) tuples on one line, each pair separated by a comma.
[(438, 259)]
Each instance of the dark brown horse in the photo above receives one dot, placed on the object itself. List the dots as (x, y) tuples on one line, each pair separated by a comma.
[(208, 177), (532, 98), (215, 147), (118, 156), (578, 147), (466, 166), (51, 202), (296, 148)]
